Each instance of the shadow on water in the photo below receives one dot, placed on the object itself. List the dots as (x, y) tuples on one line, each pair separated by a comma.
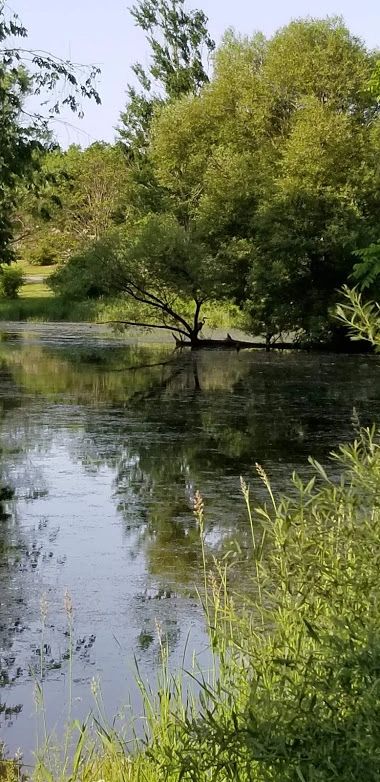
[(105, 444)]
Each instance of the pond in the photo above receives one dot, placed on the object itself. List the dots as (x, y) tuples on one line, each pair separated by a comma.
[(104, 441)]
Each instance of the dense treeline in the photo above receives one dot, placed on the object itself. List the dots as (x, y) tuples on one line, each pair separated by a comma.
[(250, 174)]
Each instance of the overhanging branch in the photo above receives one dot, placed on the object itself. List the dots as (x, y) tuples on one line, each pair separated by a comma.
[(143, 296), (138, 324)]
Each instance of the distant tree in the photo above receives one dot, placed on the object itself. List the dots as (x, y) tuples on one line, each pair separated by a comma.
[(178, 41), (261, 184), (83, 196), (160, 258), (180, 46), (164, 272)]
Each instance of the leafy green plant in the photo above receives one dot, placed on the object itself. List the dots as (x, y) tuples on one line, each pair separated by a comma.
[(298, 693), (367, 270), (44, 254), (361, 318), (11, 280)]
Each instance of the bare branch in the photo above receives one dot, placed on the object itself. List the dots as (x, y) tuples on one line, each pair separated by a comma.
[(144, 325), (19, 238), (146, 297), (50, 56)]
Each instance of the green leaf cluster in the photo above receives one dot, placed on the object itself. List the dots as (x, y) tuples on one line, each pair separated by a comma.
[(23, 136)]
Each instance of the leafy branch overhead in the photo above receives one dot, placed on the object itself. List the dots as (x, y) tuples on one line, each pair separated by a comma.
[(362, 318), (25, 134), (45, 71)]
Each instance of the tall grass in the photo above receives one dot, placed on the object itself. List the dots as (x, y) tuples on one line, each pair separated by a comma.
[(298, 696), (292, 693), (46, 308)]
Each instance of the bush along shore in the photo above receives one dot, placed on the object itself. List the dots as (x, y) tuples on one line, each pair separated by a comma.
[(293, 691)]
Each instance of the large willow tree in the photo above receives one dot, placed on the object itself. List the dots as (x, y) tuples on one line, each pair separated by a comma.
[(277, 160)]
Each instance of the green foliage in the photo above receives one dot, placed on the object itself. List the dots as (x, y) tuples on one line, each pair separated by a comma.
[(367, 270), (298, 693), (85, 275), (156, 263), (361, 318), (177, 39), (259, 184), (11, 280), (177, 61), (10, 770), (43, 254), (374, 81), (280, 151), (83, 196), (23, 73)]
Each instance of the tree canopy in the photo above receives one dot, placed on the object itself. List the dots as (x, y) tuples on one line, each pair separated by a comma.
[(82, 196), (277, 155)]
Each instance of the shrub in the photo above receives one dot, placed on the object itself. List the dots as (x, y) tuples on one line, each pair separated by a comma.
[(83, 276), (11, 280), (43, 254)]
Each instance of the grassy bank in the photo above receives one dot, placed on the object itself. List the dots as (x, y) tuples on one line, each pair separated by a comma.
[(43, 307), (36, 302), (293, 692), (39, 306)]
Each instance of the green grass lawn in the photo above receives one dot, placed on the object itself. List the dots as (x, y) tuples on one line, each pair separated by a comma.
[(35, 289), (31, 270)]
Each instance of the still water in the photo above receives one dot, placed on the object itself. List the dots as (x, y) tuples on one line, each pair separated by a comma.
[(104, 443)]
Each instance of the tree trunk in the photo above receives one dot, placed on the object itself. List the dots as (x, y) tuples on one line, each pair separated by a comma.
[(195, 340)]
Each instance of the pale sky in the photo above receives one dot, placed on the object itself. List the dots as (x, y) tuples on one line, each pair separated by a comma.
[(102, 32)]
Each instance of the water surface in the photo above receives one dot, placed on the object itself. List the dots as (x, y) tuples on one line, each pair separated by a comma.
[(105, 442)]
